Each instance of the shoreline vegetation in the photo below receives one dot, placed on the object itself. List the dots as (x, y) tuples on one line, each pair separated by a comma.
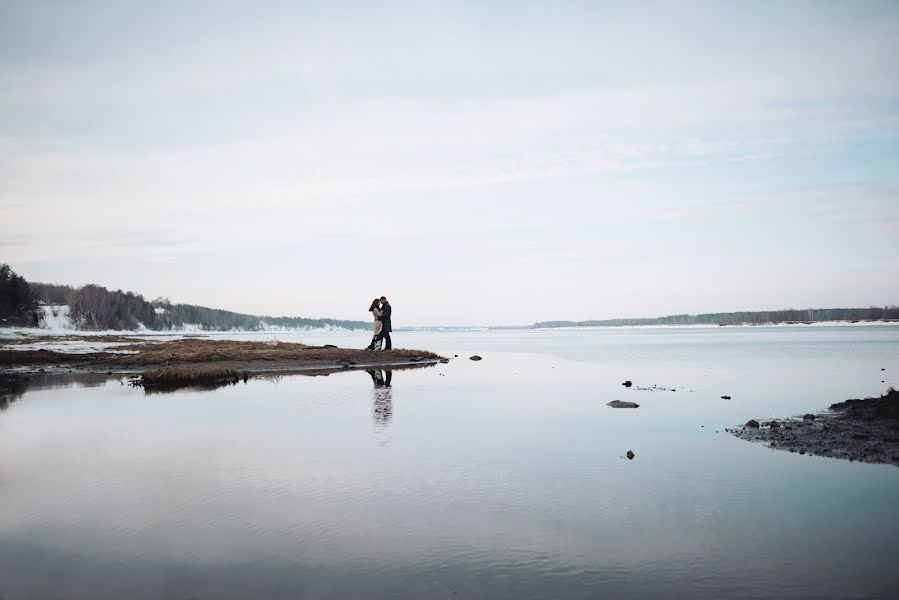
[(790, 316), (198, 361), (95, 308)]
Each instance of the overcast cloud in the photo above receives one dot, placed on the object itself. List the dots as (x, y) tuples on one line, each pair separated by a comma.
[(478, 163)]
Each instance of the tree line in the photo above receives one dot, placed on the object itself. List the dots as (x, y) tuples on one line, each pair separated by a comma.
[(94, 307), (17, 305), (765, 317)]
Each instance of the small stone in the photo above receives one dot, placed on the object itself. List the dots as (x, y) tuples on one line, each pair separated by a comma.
[(773, 424), (475, 358), (620, 404), (752, 423), (630, 455), (808, 417), (802, 451), (725, 397), (628, 383)]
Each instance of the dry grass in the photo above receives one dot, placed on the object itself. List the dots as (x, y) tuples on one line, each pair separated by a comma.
[(176, 377), (205, 351), (224, 353)]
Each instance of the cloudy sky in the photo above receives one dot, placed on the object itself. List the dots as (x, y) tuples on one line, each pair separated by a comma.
[(478, 163)]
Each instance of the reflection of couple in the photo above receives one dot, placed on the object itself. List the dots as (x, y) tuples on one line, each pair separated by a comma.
[(381, 311), (382, 409)]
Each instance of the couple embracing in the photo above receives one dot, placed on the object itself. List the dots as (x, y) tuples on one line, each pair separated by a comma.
[(381, 310)]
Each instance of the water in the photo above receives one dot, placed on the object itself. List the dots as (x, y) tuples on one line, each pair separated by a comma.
[(504, 478)]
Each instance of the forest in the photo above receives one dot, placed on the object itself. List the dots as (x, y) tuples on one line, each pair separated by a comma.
[(17, 305), (767, 317), (96, 308)]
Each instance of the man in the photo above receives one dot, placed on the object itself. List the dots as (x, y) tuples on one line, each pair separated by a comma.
[(385, 323)]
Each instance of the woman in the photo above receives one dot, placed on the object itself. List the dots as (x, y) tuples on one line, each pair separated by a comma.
[(375, 310)]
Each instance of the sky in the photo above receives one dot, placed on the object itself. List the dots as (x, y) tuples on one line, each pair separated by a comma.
[(479, 163)]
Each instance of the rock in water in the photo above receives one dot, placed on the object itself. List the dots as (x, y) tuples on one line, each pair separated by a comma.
[(752, 423), (628, 383), (630, 455), (475, 357), (620, 404), (725, 397)]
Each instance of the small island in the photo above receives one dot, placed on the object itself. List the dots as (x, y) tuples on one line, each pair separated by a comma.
[(200, 360)]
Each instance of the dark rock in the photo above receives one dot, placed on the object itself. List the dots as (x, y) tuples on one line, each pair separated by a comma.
[(455, 356), (773, 424), (725, 397), (620, 404), (752, 423), (628, 383), (475, 357), (802, 451), (630, 455), (444, 360), (329, 346), (808, 417)]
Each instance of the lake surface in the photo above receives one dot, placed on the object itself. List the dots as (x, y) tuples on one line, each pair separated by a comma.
[(504, 478)]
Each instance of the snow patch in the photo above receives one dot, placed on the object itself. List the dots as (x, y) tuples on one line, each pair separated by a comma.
[(56, 317), (73, 346)]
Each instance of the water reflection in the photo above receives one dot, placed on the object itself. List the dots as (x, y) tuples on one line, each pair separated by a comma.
[(382, 404), (14, 385)]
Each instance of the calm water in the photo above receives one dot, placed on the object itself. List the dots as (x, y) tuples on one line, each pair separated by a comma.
[(503, 478)]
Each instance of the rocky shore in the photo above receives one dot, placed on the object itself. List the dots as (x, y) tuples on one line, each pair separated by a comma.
[(864, 430)]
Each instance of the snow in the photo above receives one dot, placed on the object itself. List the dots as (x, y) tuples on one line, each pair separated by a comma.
[(159, 310), (73, 346), (56, 317)]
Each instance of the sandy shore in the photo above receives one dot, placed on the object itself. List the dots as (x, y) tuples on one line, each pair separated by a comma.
[(865, 430)]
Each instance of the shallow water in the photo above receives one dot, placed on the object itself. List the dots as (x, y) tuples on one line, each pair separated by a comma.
[(504, 478)]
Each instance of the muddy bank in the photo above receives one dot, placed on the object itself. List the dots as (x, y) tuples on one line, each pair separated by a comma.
[(865, 430), (243, 356)]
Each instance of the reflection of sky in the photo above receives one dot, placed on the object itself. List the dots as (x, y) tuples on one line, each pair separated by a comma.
[(501, 476)]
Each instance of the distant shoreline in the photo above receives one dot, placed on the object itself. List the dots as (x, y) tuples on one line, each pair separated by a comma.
[(574, 325)]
